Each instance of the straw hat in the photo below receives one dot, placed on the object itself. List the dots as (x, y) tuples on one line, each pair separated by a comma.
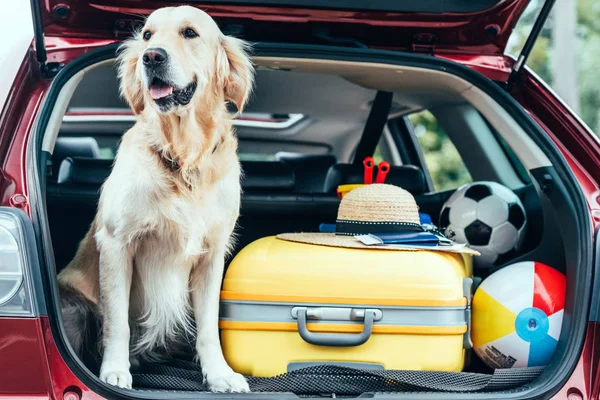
[(375, 208)]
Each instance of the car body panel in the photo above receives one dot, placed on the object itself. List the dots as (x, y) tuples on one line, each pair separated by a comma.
[(48, 375), (540, 100), (23, 358), (582, 383), (16, 121), (578, 144), (62, 376), (484, 32)]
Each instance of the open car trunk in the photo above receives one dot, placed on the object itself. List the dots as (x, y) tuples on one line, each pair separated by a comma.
[(559, 234)]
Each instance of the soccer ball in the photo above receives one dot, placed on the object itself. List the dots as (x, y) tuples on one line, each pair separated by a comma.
[(489, 217)]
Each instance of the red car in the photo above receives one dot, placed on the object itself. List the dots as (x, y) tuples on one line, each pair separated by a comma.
[(320, 65)]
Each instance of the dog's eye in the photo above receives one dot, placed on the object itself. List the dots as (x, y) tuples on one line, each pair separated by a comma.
[(189, 33), (147, 35)]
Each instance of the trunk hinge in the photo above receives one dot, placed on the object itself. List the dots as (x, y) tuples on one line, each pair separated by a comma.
[(424, 43), (48, 70), (529, 43)]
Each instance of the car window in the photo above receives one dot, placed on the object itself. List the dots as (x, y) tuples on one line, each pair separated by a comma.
[(268, 150), (377, 156), (108, 152), (248, 150), (256, 157), (511, 155), (445, 165), (106, 127)]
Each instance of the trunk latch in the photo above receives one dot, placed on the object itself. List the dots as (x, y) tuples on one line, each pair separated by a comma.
[(424, 43)]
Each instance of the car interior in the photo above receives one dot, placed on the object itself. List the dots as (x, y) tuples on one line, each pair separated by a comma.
[(298, 141)]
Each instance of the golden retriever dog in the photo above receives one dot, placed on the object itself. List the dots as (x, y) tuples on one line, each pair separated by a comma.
[(151, 265)]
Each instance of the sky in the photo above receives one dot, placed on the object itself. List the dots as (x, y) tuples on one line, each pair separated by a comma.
[(17, 34)]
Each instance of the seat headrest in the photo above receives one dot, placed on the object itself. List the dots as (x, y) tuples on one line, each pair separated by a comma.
[(73, 147), (267, 175), (307, 159), (258, 175), (408, 177), (84, 171), (310, 170)]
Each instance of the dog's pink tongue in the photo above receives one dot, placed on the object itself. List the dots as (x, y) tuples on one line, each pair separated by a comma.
[(160, 92)]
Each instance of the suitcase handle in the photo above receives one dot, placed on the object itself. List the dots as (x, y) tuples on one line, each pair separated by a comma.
[(335, 339)]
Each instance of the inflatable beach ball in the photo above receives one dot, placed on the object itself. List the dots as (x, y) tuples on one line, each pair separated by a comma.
[(517, 315)]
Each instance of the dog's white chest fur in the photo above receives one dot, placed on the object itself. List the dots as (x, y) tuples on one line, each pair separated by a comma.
[(172, 241)]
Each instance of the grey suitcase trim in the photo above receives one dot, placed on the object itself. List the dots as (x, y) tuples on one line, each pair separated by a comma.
[(255, 311), (365, 315)]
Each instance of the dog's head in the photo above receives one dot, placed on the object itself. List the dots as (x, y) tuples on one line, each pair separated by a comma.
[(179, 57)]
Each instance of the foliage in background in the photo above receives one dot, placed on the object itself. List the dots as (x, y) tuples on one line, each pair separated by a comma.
[(445, 165), (588, 26), (587, 45), (443, 160)]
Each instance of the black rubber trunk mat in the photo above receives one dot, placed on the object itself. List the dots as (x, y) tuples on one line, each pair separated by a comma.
[(338, 380)]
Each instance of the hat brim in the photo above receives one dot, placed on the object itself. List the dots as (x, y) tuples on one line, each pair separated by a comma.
[(333, 240)]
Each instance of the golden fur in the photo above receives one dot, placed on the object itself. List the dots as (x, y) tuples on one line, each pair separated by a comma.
[(155, 252)]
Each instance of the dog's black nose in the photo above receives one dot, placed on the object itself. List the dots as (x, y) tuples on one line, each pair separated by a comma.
[(154, 57)]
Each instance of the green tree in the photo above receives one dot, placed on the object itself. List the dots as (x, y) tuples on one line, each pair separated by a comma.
[(587, 43), (588, 22), (445, 165)]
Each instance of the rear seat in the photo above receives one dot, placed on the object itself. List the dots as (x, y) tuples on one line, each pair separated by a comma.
[(80, 178), (72, 147), (267, 176), (407, 177), (72, 200), (85, 171), (270, 203), (88, 173), (310, 170)]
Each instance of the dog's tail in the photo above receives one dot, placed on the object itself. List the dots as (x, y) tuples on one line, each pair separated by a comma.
[(82, 325)]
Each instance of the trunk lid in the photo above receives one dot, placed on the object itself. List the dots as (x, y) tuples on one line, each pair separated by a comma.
[(471, 28)]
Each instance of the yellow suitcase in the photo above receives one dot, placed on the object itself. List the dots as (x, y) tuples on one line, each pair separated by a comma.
[(285, 305)]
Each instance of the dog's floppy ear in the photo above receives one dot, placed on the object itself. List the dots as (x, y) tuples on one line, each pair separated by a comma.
[(130, 85), (238, 71)]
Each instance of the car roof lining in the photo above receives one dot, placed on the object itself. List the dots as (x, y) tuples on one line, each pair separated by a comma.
[(409, 80), (415, 88), (61, 105), (335, 108)]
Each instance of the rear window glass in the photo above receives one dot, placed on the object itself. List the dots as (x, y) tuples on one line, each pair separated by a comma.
[(263, 150), (106, 126), (445, 165)]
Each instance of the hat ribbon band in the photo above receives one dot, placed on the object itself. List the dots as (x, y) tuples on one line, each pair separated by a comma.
[(350, 228)]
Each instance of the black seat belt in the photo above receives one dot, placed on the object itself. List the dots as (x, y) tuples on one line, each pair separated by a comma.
[(373, 130)]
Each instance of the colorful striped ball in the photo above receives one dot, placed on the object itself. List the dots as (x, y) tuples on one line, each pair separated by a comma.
[(517, 315)]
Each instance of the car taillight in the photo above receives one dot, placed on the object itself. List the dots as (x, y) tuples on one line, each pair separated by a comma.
[(15, 285)]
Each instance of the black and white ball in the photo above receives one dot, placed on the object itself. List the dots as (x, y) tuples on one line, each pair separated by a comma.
[(489, 217)]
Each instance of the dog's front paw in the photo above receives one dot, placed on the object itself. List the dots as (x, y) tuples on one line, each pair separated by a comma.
[(227, 382), (116, 377)]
